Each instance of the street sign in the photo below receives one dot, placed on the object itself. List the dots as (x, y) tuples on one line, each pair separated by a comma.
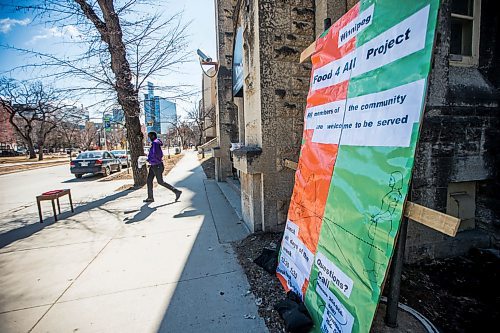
[(107, 124)]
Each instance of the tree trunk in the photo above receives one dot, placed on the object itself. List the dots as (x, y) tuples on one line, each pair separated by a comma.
[(136, 147), (31, 149), (40, 152), (200, 139), (128, 97)]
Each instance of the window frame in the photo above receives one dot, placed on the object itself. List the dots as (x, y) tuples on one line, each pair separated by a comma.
[(473, 60)]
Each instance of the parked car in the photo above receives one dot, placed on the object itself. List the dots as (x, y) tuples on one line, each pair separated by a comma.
[(95, 161), (8, 152), (123, 156)]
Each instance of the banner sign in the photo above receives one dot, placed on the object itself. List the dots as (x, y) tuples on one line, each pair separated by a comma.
[(364, 109)]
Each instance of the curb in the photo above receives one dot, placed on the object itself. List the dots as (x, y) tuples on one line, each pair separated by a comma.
[(113, 175)]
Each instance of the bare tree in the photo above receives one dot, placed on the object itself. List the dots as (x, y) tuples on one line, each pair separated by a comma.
[(125, 48), (70, 129), (203, 119), (88, 135), (182, 130), (116, 138), (34, 111)]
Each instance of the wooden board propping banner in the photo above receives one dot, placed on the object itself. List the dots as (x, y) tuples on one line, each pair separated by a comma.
[(361, 126), (441, 222)]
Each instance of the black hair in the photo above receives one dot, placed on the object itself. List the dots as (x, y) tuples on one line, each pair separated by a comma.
[(153, 134)]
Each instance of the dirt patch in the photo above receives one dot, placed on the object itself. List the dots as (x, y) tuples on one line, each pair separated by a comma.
[(266, 287), (25, 167), (21, 159), (459, 294), (208, 165)]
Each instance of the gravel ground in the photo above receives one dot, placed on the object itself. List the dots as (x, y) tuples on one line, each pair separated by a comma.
[(266, 287), (460, 294)]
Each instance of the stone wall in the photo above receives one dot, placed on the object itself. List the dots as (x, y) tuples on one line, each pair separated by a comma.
[(274, 99), (286, 28), (459, 142), (226, 116)]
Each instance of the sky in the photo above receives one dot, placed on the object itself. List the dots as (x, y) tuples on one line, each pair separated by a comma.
[(20, 30)]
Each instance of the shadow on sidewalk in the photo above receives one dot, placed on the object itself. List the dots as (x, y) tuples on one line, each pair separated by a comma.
[(29, 228), (210, 295), (143, 212)]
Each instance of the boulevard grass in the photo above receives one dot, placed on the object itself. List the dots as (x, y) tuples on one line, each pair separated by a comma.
[(10, 164)]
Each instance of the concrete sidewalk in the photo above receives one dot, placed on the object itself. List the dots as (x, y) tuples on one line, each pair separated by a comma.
[(118, 265)]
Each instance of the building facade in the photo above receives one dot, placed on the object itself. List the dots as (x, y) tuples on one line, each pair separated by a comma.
[(260, 101), (207, 104)]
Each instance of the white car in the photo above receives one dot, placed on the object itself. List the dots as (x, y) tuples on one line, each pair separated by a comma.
[(123, 156)]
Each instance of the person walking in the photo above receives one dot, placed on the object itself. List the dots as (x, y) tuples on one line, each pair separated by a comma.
[(155, 159)]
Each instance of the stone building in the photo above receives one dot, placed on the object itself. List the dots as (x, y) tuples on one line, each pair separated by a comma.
[(207, 104), (261, 94)]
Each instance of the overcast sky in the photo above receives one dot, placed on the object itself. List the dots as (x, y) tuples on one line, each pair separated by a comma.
[(18, 29)]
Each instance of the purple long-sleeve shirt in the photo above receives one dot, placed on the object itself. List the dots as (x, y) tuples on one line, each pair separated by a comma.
[(155, 155)]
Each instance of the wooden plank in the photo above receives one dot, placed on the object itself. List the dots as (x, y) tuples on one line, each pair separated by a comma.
[(307, 52), (291, 164), (441, 222)]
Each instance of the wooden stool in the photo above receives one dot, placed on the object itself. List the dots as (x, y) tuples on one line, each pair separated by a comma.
[(53, 195)]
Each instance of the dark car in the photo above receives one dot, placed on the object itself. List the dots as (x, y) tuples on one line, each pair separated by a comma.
[(95, 161)]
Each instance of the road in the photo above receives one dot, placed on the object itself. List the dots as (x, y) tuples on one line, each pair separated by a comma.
[(19, 190)]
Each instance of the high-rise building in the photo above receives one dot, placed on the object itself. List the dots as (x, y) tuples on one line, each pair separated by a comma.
[(151, 117), (160, 113), (168, 114)]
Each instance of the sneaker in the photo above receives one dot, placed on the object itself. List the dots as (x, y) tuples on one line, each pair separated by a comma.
[(148, 200), (177, 194)]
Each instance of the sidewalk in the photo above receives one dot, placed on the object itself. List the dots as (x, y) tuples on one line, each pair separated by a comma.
[(118, 265)]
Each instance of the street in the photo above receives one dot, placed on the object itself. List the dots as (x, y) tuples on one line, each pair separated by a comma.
[(19, 191)]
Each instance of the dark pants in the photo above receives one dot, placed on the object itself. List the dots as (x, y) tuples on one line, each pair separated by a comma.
[(157, 171)]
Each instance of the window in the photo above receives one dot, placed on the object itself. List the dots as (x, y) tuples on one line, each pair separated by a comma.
[(465, 24)]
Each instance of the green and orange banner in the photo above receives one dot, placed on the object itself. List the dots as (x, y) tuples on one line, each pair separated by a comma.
[(364, 109)]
